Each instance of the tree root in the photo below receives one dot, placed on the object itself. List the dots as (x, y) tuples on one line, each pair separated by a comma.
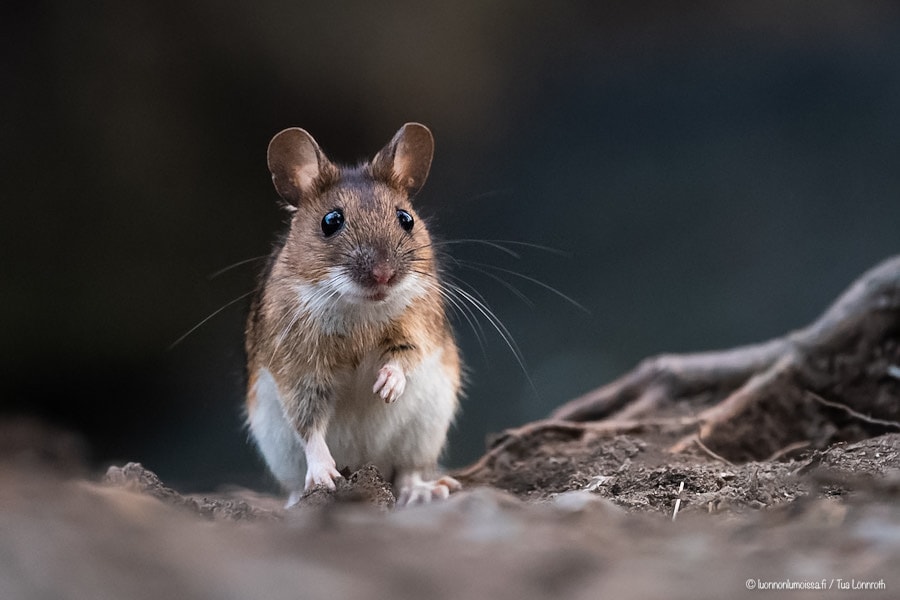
[(512, 440), (811, 387)]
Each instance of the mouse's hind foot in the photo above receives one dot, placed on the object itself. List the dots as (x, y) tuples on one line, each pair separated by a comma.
[(416, 490)]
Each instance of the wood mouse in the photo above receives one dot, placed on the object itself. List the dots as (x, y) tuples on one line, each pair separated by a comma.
[(350, 355)]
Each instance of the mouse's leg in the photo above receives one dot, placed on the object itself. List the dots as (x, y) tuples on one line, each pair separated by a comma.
[(320, 465), (415, 489), (309, 409), (290, 435)]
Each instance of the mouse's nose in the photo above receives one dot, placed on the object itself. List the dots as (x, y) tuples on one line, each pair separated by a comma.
[(383, 273)]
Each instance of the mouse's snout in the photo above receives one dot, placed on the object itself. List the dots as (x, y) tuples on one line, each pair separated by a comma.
[(375, 270), (383, 273)]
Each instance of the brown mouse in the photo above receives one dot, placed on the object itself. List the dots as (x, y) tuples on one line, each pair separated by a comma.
[(350, 356)]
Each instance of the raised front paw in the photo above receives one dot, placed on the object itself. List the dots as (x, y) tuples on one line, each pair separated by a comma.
[(415, 490), (390, 383)]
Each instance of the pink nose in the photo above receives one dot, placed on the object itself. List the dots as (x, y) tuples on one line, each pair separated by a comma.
[(382, 273)]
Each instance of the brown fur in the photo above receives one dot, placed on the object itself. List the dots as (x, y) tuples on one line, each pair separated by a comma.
[(305, 258)]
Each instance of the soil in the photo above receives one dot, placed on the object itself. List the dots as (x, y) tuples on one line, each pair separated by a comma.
[(558, 514), (772, 469), (640, 476)]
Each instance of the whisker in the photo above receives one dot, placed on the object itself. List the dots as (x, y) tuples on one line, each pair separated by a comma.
[(492, 193), (515, 291), (501, 329), (320, 295), (239, 263), (500, 245), (478, 329), (491, 243), (228, 304), (200, 324), (462, 309), (298, 311), (473, 290), (412, 251), (538, 282)]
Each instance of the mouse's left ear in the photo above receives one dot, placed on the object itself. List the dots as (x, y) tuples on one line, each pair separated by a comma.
[(406, 160), (298, 165)]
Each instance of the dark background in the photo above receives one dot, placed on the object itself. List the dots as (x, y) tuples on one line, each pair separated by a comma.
[(716, 174)]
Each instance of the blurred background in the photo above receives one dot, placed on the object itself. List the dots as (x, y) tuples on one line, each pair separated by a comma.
[(711, 173)]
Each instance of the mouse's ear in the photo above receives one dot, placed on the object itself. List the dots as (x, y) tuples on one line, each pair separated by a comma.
[(297, 164), (406, 160)]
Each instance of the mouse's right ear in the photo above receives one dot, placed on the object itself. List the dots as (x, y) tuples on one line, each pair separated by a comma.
[(297, 164)]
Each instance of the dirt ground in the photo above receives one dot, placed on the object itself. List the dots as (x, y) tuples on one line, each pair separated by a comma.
[(767, 470), (556, 515)]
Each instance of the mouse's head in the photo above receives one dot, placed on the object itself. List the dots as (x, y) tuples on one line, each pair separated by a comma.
[(354, 234)]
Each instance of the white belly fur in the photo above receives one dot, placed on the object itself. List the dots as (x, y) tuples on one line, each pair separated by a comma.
[(409, 433)]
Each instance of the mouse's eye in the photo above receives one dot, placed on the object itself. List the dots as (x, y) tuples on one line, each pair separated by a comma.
[(332, 222), (406, 220)]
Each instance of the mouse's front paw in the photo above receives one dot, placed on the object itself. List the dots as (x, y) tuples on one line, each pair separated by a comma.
[(318, 474), (321, 474), (390, 383)]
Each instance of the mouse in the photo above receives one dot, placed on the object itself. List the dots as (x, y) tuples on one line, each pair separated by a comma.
[(351, 358)]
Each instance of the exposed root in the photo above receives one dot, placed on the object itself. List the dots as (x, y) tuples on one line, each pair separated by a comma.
[(758, 401), (853, 413), (588, 432), (706, 449), (789, 449), (662, 379)]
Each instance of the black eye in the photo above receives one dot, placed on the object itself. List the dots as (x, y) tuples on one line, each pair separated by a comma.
[(332, 222), (406, 220)]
